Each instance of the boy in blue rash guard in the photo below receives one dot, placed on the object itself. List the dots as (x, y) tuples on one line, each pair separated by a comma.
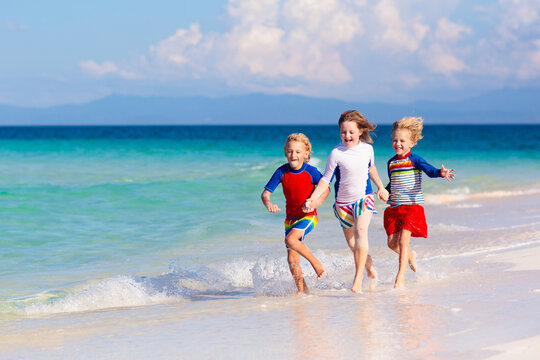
[(405, 216), (298, 180)]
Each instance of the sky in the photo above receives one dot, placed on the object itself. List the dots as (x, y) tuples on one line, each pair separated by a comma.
[(68, 52)]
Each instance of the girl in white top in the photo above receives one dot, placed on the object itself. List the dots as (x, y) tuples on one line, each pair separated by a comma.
[(352, 163)]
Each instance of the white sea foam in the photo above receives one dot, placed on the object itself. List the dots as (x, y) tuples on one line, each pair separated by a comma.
[(266, 276), (450, 228), (465, 193), (315, 161), (448, 196), (468, 206), (481, 250), (114, 292)]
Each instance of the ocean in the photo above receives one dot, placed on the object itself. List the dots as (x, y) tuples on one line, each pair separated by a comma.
[(137, 242)]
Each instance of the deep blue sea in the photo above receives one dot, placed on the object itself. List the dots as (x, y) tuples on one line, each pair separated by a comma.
[(97, 217)]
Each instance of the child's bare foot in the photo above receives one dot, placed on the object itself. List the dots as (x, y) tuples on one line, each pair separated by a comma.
[(302, 292), (357, 286), (400, 280), (371, 272), (412, 261), (319, 270)]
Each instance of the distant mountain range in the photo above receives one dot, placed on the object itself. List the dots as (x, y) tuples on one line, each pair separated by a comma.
[(508, 106)]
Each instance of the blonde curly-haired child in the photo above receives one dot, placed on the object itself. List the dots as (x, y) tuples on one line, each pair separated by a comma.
[(405, 217)]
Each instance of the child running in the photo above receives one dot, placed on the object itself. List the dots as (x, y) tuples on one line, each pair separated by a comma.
[(405, 216), (298, 180), (353, 164)]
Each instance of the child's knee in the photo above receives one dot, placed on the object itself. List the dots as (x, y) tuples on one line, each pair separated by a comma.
[(289, 241)]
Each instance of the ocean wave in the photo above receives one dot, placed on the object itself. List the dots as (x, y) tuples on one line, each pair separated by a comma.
[(267, 275), (181, 282), (465, 193), (113, 292)]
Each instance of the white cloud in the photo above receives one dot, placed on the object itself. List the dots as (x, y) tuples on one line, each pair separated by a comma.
[(530, 67), (510, 51), (449, 31), (441, 61), (252, 12), (270, 39), (398, 35), (329, 47), (105, 68), (175, 48)]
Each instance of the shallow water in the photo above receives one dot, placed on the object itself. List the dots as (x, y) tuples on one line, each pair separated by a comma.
[(155, 239)]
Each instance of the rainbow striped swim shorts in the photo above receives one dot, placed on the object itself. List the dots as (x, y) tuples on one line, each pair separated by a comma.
[(346, 214), (305, 224)]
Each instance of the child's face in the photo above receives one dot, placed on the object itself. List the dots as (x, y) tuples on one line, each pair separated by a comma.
[(296, 153), (402, 141), (350, 134)]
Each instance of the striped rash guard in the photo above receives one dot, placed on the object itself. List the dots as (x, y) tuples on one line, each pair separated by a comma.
[(405, 174)]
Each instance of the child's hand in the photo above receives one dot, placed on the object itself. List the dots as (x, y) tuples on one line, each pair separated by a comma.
[(273, 208), (307, 206), (447, 173), (383, 194)]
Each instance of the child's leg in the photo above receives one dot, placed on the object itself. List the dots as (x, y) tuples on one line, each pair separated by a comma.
[(293, 242), (294, 265), (404, 252), (349, 237), (394, 244), (361, 247)]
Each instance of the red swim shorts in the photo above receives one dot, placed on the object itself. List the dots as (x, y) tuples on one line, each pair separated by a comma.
[(405, 217)]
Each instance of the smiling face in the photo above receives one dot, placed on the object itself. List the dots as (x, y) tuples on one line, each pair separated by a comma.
[(402, 141), (350, 134), (296, 153)]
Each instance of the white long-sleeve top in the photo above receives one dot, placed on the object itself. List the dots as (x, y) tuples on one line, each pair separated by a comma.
[(350, 166)]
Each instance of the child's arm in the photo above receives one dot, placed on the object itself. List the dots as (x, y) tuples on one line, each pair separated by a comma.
[(313, 203), (382, 193), (321, 192), (431, 170), (265, 197)]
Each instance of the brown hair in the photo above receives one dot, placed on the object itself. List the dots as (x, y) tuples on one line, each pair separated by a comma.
[(363, 124), (301, 138), (413, 124)]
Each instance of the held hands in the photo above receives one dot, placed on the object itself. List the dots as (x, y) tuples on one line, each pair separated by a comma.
[(273, 208), (447, 173), (382, 194), (307, 206)]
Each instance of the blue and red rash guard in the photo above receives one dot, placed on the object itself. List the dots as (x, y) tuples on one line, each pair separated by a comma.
[(297, 187)]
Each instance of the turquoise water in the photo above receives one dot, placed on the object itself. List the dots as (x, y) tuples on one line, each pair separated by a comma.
[(86, 211)]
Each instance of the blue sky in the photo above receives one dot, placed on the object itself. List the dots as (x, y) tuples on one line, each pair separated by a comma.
[(63, 52)]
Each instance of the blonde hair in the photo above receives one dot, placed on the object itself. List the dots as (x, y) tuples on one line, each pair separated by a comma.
[(301, 138), (413, 124), (363, 124)]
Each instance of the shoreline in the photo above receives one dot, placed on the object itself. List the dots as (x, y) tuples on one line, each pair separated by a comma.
[(489, 314)]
